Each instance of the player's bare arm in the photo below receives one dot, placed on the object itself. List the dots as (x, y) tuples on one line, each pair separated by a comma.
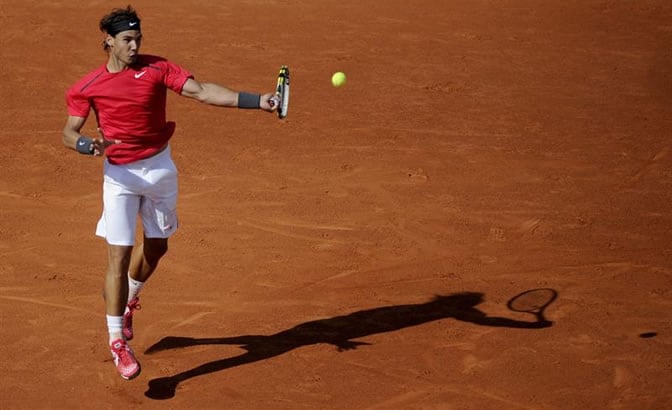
[(71, 134), (214, 94), (72, 138)]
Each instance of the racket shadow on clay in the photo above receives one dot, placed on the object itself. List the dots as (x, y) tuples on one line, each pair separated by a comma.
[(534, 302), (340, 331)]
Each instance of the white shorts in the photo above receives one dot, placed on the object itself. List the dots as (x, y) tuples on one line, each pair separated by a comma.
[(145, 188)]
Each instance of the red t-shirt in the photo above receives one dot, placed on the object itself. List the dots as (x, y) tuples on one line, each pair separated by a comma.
[(130, 105)]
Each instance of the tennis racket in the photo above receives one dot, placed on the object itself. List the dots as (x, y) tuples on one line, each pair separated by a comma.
[(282, 91), (534, 301)]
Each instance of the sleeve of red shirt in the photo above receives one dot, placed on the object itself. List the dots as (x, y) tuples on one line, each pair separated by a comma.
[(78, 104), (175, 76)]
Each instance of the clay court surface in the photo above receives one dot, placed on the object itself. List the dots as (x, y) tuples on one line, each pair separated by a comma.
[(361, 253)]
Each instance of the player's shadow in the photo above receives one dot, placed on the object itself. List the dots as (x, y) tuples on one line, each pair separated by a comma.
[(340, 331)]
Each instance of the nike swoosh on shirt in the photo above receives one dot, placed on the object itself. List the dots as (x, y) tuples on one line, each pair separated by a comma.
[(140, 74)]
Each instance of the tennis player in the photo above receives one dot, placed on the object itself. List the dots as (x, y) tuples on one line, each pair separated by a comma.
[(128, 96)]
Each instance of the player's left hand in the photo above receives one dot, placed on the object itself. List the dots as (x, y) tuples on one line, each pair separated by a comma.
[(100, 144)]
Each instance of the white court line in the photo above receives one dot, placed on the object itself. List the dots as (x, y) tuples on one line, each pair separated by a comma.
[(43, 303)]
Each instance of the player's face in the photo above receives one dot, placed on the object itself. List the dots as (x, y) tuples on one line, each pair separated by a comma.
[(126, 45)]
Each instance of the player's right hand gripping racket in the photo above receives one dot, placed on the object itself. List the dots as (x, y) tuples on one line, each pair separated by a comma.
[(282, 91)]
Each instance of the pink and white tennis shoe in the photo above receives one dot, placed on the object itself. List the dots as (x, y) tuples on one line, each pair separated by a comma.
[(127, 365)]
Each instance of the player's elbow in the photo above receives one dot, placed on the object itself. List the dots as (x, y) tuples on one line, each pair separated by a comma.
[(195, 90), (200, 95)]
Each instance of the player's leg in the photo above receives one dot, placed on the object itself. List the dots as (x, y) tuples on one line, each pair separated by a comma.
[(159, 220), (117, 226), (116, 294), (116, 287), (144, 261)]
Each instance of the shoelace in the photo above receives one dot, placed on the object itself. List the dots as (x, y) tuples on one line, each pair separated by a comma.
[(132, 307), (123, 354)]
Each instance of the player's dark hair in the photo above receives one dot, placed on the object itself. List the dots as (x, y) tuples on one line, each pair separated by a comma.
[(119, 20)]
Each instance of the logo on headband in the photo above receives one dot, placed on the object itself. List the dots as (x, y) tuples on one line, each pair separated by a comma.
[(123, 25)]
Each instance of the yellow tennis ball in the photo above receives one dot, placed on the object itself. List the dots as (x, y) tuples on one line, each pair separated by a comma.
[(338, 79)]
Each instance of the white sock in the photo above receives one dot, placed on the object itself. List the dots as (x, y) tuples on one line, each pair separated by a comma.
[(134, 287), (114, 327)]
